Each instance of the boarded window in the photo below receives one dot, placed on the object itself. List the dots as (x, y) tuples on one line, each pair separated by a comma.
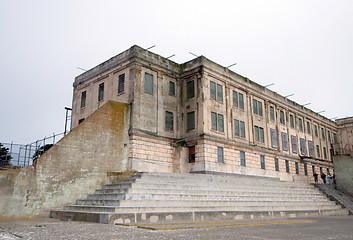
[(272, 113), (148, 87), (171, 88), (291, 119), (276, 165), (294, 144), (169, 121), (296, 167), (287, 166), (219, 93), (284, 137), (242, 159), (262, 161), (190, 89), (220, 157), (83, 99), (101, 92), (308, 128), (274, 139), (311, 148), (281, 117), (301, 125), (302, 146), (190, 121), (212, 90), (121, 83)]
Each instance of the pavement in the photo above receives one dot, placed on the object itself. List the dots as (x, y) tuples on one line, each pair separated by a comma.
[(336, 227)]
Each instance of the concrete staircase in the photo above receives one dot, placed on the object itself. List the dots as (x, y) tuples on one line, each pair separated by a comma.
[(160, 197)]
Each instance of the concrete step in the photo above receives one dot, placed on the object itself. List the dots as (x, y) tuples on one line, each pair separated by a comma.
[(202, 197)]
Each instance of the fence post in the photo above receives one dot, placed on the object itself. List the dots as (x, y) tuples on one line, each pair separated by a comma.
[(24, 160)]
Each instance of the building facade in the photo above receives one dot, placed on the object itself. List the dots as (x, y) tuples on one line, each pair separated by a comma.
[(202, 117)]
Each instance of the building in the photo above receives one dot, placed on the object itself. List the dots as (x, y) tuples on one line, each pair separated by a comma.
[(201, 117)]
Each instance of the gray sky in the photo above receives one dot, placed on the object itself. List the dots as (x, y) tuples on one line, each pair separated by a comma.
[(305, 47)]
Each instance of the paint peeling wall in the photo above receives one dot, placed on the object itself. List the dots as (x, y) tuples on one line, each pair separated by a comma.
[(72, 168)]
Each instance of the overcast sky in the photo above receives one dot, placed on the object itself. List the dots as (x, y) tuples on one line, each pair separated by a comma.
[(304, 47)]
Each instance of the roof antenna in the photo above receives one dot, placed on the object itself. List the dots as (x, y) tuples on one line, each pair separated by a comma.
[(150, 47)]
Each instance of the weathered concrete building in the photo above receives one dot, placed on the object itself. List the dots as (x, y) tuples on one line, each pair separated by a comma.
[(202, 117)]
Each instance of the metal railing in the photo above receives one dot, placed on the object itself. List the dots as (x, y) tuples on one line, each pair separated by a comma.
[(24, 154)]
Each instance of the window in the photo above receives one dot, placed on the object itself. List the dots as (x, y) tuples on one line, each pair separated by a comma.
[(284, 137), (80, 120), (301, 125), (190, 121), (318, 151), (302, 146), (242, 158), (272, 113), (323, 133), (190, 89), (281, 117), (316, 131), (296, 168), (294, 143), (325, 153), (169, 121), (219, 92), (308, 128), (192, 154), (262, 161), (148, 87), (274, 140), (121, 83), (276, 165), (220, 157), (171, 88), (287, 166), (217, 122), (291, 119), (239, 128), (305, 169), (329, 136), (83, 99), (259, 134), (311, 149), (216, 91), (238, 100), (101, 92), (335, 138), (313, 168), (257, 107)]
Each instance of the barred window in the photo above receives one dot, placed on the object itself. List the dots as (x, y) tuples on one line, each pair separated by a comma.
[(121, 83)]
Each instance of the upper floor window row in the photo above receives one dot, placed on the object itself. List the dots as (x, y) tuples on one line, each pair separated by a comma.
[(216, 91)]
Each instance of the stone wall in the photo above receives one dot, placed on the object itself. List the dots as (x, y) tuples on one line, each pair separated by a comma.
[(344, 172), (72, 168)]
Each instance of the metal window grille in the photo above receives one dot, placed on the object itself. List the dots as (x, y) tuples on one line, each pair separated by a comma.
[(83, 99), (101, 92), (242, 158), (121, 83)]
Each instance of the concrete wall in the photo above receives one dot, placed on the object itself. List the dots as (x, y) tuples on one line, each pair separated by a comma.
[(344, 172), (72, 168)]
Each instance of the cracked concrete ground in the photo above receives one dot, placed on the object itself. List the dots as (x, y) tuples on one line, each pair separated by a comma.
[(340, 227)]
